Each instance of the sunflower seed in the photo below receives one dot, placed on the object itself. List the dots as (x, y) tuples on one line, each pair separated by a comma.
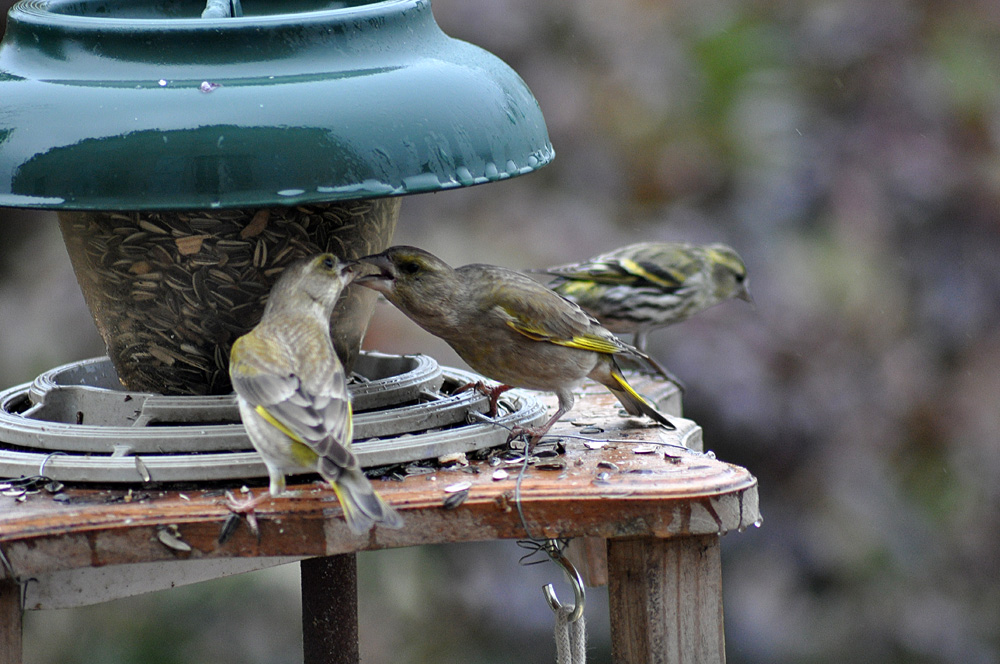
[(454, 500), (172, 540)]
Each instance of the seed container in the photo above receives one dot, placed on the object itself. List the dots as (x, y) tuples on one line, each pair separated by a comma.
[(192, 159)]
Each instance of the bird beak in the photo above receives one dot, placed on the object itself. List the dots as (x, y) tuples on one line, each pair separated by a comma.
[(744, 294), (348, 271), (379, 280)]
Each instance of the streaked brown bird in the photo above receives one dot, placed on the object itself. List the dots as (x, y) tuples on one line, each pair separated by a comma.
[(640, 287), (507, 327)]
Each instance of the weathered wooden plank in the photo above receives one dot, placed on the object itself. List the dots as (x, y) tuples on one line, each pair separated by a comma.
[(330, 610), (10, 622), (64, 589), (607, 492), (666, 600)]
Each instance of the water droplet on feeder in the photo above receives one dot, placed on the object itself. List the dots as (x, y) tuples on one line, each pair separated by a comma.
[(421, 182), (291, 192), (162, 82), (758, 522), (491, 171)]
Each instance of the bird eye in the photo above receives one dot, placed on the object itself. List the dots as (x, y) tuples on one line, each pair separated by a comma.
[(409, 267), (328, 263), (740, 278)]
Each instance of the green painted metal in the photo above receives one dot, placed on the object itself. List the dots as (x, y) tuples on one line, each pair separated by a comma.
[(142, 105)]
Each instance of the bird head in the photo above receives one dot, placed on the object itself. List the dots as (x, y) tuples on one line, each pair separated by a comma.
[(317, 280), (729, 274), (417, 282)]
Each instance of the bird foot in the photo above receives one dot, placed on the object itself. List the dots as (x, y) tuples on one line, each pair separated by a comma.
[(492, 392), (535, 434), (531, 434), (246, 508)]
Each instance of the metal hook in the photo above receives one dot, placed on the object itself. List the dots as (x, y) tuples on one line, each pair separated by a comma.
[(579, 592)]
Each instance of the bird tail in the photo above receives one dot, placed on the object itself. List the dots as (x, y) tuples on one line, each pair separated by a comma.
[(362, 506), (633, 402)]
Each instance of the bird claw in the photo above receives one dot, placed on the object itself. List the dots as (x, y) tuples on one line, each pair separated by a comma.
[(531, 435), (492, 392), (244, 508)]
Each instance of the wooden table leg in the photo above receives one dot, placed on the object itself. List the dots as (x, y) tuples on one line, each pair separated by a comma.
[(589, 555), (665, 598), (330, 610), (10, 622)]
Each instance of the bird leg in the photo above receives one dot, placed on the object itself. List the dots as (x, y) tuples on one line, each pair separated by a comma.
[(492, 392), (535, 434), (639, 339)]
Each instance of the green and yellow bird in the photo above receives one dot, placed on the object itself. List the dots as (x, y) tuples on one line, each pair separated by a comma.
[(507, 327), (292, 392), (640, 287)]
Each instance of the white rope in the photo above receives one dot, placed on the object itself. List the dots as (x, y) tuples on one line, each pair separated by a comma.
[(571, 638)]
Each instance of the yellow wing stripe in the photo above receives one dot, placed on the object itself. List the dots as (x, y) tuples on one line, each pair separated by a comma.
[(620, 379), (575, 287), (270, 419), (596, 344), (534, 335), (640, 271), (586, 342)]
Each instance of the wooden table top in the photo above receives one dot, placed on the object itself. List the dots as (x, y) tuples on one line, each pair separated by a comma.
[(629, 479)]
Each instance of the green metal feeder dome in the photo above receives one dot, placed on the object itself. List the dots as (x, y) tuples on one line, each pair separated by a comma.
[(144, 105)]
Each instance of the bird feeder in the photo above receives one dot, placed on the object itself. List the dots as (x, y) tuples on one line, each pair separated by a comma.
[(192, 152), (191, 158)]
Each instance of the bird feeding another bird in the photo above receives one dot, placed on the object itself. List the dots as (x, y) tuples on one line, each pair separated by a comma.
[(507, 327), (292, 392)]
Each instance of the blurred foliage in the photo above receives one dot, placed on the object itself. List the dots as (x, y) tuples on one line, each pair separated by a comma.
[(850, 150)]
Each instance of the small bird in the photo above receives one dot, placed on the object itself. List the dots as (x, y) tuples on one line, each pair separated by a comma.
[(640, 287), (507, 326), (292, 392)]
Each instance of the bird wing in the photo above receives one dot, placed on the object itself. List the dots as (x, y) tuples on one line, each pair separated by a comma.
[(318, 416), (542, 315), (663, 266)]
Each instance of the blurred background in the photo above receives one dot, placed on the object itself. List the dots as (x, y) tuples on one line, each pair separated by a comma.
[(850, 151)]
